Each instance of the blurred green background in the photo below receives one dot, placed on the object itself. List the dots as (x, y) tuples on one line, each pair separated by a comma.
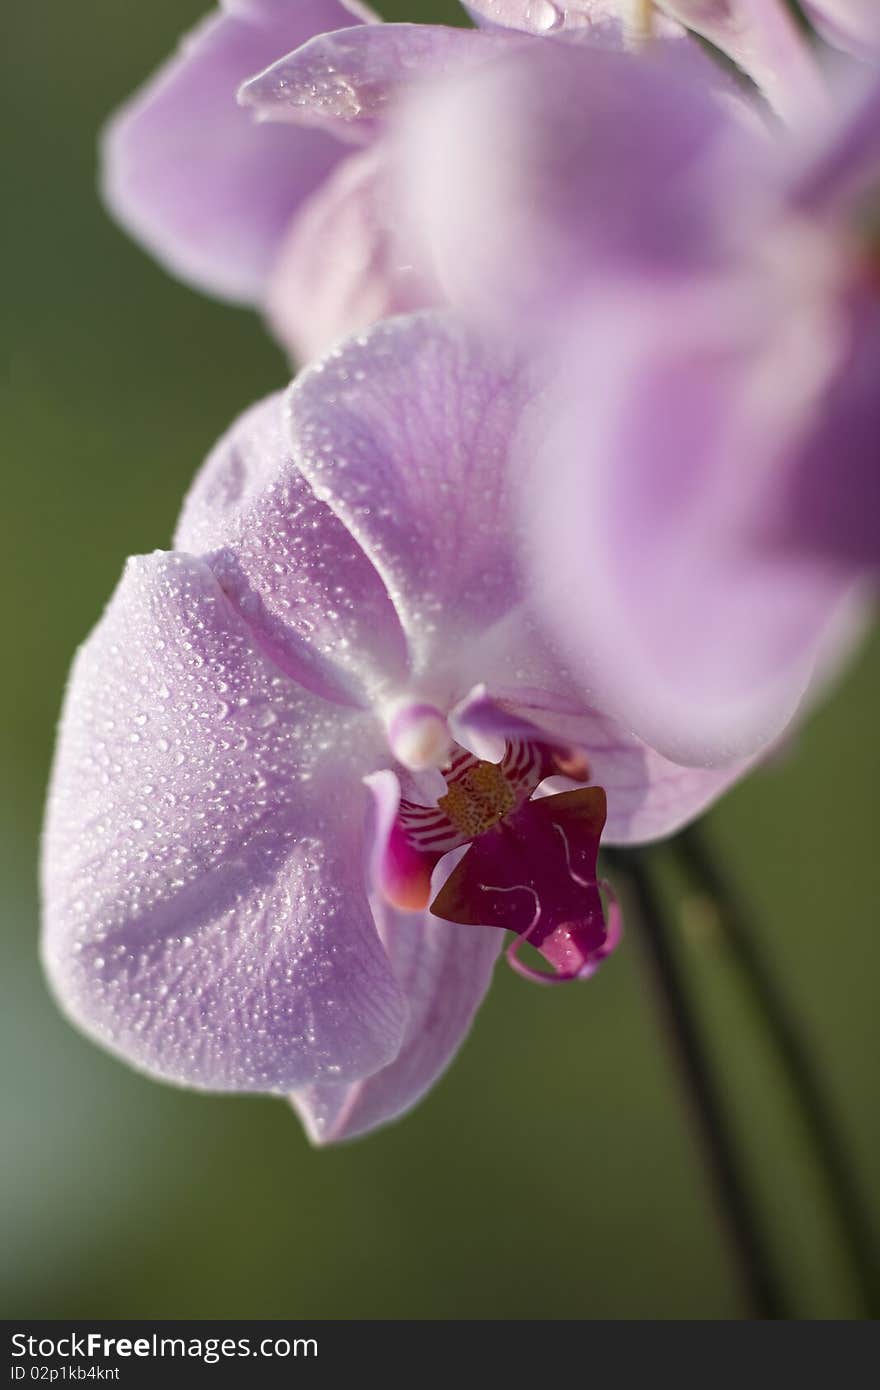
[(551, 1174)]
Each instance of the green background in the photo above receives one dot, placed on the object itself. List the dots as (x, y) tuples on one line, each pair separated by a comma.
[(551, 1174)]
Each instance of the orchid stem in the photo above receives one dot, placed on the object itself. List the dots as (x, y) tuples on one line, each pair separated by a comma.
[(763, 1295), (787, 1037), (800, 17)]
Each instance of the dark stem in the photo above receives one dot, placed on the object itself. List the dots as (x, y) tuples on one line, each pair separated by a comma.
[(785, 1033), (764, 1298), (800, 17)]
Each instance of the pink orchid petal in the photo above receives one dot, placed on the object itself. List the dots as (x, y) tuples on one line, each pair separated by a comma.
[(341, 268), (343, 82), (841, 170), (303, 584), (831, 514), (555, 154), (406, 434), (672, 361), (205, 906), (853, 25), (701, 632), (193, 177), (443, 971)]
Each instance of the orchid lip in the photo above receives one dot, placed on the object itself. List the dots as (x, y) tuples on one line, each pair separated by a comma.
[(529, 864)]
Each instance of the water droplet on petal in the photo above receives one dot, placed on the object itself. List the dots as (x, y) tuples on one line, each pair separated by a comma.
[(543, 16)]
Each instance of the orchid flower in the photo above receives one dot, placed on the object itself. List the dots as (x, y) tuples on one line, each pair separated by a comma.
[(286, 219), (254, 164), (292, 214), (315, 758), (701, 294)]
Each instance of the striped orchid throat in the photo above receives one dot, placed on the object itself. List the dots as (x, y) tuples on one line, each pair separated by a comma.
[(530, 865)]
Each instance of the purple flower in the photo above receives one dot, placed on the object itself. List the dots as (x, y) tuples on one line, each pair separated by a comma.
[(189, 174), (282, 736), (702, 296), (291, 214), (242, 209), (255, 165)]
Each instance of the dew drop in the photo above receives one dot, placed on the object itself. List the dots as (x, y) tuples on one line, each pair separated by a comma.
[(543, 16)]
